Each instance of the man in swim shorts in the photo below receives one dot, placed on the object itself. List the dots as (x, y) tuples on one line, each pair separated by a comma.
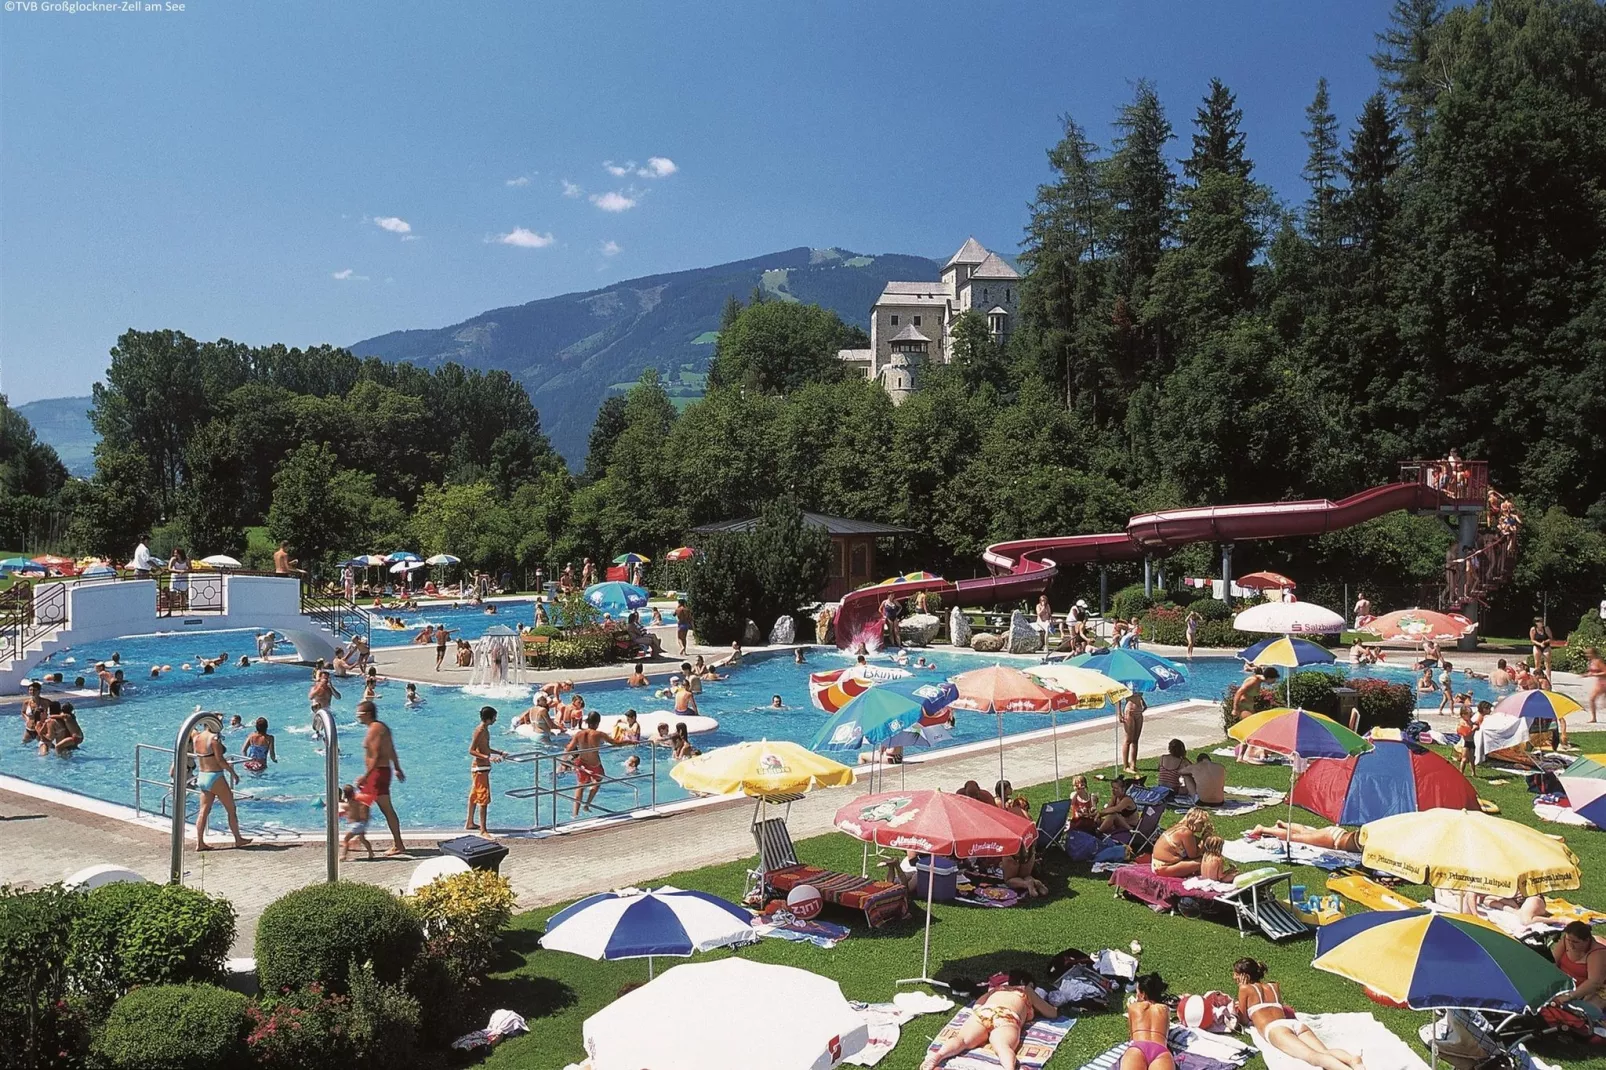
[(379, 751), (480, 756), (586, 761)]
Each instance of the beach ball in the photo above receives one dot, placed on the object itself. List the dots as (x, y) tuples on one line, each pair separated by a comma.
[(804, 902), (1203, 1012)]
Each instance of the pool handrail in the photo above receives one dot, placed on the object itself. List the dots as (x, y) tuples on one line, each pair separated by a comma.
[(536, 792)]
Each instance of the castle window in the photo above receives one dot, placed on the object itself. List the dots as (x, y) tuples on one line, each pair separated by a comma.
[(894, 321), (1007, 297), (985, 295), (917, 321)]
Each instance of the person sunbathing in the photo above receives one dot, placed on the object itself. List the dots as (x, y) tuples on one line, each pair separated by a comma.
[(1148, 1020), (997, 1022), (1260, 1003), (1121, 815), (1332, 836), (1177, 851)]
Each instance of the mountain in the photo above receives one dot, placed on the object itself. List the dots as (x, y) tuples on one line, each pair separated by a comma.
[(64, 424), (571, 351)]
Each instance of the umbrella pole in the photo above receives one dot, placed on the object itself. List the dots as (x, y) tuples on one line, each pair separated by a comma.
[(1054, 727), (1000, 746), (649, 967), (1288, 839), (925, 951)]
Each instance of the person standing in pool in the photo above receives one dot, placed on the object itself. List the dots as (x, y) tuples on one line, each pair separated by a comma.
[(480, 756), (379, 752), (258, 748), (213, 773), (586, 761)]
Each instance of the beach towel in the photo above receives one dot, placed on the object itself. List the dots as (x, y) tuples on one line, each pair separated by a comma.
[(884, 1023), (1359, 1034), (989, 895), (1200, 1045), (1037, 1044), (783, 926), (1371, 894), (1266, 849), (1234, 804), (1150, 796), (1561, 815)]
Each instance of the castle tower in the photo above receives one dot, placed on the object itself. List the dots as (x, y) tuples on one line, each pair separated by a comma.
[(908, 357)]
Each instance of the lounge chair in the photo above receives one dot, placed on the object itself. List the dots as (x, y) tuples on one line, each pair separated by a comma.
[(1256, 906), (780, 872), (1052, 821)]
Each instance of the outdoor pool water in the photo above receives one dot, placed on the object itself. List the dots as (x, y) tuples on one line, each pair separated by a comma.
[(433, 739)]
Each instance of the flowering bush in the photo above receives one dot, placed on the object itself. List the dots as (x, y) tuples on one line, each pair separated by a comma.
[(1168, 626), (1383, 704), (463, 915), (302, 1030)]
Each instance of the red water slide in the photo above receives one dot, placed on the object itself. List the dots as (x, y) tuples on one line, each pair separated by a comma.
[(1025, 567)]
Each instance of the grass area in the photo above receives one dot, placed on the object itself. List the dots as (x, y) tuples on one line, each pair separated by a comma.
[(557, 992)]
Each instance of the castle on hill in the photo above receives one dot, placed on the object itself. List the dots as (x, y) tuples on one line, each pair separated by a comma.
[(912, 322)]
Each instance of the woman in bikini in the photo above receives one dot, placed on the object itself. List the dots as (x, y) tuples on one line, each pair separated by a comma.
[(1132, 729), (1260, 1003), (1147, 1021), (213, 772), (1177, 852), (996, 1022), (1332, 836), (1597, 681)]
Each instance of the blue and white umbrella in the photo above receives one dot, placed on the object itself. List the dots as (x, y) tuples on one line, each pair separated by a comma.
[(636, 923), (442, 559), (402, 555), (616, 597), (96, 572)]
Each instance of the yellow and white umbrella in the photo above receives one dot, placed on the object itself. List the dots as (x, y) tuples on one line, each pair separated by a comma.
[(760, 768), (1468, 851)]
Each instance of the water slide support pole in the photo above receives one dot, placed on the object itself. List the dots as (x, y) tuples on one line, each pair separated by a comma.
[(1148, 576), (1104, 589), (1466, 540)]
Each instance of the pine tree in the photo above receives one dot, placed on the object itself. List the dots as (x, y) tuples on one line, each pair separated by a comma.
[(1370, 163), (1402, 59), (1141, 186), (1321, 168), (1217, 143), (728, 314)]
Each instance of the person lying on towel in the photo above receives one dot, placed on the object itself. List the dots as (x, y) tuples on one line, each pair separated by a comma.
[(1148, 1020), (997, 1022), (1332, 836), (1260, 1003)]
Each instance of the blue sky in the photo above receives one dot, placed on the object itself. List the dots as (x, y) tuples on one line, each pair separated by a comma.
[(310, 172)]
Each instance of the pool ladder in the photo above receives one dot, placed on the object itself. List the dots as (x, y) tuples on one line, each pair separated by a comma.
[(554, 762)]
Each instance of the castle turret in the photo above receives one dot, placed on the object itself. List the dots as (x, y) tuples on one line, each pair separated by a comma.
[(899, 374)]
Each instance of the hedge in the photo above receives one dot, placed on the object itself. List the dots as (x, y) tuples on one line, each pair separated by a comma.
[(1129, 602), (178, 934), (34, 931), (318, 933), (178, 1027), (1167, 626), (1574, 657)]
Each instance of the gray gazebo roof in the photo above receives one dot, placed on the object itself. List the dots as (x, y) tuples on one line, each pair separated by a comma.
[(833, 525)]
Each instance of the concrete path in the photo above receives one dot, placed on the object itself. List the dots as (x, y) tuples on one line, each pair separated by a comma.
[(42, 842)]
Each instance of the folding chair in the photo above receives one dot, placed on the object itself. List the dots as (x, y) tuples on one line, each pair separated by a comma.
[(1052, 821), (1142, 838), (1255, 905)]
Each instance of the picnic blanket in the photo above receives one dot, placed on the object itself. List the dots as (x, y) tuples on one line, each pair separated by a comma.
[(988, 895), (1267, 849), (1237, 801), (1037, 1044), (1561, 815), (783, 925), (1358, 1034)]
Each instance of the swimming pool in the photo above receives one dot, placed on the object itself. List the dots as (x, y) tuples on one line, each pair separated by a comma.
[(432, 740)]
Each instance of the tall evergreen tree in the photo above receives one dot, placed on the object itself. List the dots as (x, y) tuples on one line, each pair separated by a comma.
[(1403, 59), (1322, 168), (1370, 163), (1217, 143), (1141, 184)]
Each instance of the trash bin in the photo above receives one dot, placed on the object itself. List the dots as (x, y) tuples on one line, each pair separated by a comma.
[(477, 851), (944, 872)]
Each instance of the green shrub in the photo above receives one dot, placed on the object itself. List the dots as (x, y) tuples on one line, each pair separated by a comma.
[(1168, 627), (318, 933), (306, 1029), (1313, 690), (1574, 657), (178, 1027), (1211, 609), (463, 915), (581, 650), (382, 1022), (35, 931), (177, 935), (1129, 602), (442, 999), (93, 961), (1383, 704), (550, 631)]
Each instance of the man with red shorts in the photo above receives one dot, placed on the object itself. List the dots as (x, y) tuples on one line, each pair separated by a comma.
[(587, 763), (379, 749)]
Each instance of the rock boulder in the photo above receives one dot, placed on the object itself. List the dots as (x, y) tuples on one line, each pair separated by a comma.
[(785, 631), (919, 629), (959, 630), (1022, 637), (987, 642), (752, 636)]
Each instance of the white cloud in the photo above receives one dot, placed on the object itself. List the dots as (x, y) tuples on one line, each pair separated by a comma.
[(347, 275), (658, 167), (610, 248), (522, 180), (613, 201), (618, 170), (571, 189), (524, 238), (393, 224)]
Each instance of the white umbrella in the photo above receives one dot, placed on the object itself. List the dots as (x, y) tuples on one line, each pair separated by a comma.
[(443, 559), (636, 923), (1289, 618), (221, 561), (407, 566), (727, 1015)]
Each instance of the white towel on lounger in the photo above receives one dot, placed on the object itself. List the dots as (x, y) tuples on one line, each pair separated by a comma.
[(1358, 1034)]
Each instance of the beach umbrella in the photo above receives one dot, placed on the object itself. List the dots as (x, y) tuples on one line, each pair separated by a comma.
[(937, 824), (1419, 624), (760, 768), (407, 566), (1427, 960), (1534, 706), (442, 559), (1584, 781), (221, 561), (616, 597), (883, 714), (1137, 669), (1289, 618), (1391, 778), (1265, 581), (97, 572), (908, 577), (1300, 735), (729, 1014), (1468, 851), (632, 559), (636, 923), (835, 688), (1286, 653), (400, 555), (681, 553), (999, 689), (22, 565)]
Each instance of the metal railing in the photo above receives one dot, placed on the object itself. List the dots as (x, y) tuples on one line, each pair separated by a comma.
[(165, 782), (1464, 482), (198, 592), (556, 763), (28, 613), (335, 611)]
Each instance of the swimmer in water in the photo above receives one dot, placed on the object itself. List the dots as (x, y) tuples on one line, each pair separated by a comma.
[(776, 703), (413, 700)]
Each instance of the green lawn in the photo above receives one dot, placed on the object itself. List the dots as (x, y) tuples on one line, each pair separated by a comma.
[(557, 992)]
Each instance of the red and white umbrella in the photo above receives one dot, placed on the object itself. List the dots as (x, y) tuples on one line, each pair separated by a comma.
[(938, 824), (1420, 624), (999, 689)]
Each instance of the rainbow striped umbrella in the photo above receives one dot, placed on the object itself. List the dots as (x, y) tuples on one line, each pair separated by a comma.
[(1427, 960), (1584, 781), (1298, 733), (632, 559), (909, 577), (1286, 652), (1534, 706)]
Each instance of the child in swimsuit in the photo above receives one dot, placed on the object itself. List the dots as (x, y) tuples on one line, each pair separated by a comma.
[(258, 747), (1083, 803), (356, 814)]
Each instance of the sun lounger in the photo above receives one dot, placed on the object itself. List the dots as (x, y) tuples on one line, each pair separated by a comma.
[(1257, 906), (1139, 881), (880, 901), (1370, 894)]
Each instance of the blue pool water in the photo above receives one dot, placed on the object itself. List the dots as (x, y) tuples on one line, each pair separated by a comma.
[(433, 739)]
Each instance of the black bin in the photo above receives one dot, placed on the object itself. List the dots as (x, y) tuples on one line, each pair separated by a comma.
[(477, 851)]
